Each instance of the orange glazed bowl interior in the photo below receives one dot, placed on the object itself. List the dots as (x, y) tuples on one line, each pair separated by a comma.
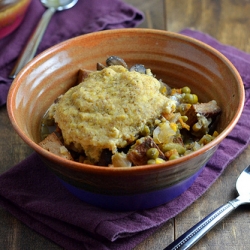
[(176, 59)]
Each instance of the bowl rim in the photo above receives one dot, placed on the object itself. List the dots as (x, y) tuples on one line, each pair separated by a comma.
[(137, 169)]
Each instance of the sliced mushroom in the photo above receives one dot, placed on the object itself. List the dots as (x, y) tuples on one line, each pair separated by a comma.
[(115, 60), (138, 68)]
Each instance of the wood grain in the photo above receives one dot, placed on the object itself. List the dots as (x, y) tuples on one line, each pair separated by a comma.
[(226, 20)]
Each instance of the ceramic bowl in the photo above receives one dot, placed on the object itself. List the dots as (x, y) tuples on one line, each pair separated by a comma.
[(176, 59), (12, 13)]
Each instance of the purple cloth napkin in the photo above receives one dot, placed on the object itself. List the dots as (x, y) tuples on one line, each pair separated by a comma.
[(85, 17), (35, 196)]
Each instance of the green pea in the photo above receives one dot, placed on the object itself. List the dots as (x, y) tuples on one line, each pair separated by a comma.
[(190, 98), (187, 98), (169, 146), (151, 161), (195, 99), (173, 157), (152, 153), (184, 118), (186, 90), (145, 131)]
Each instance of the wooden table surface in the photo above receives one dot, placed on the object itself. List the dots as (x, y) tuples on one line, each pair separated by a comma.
[(229, 22)]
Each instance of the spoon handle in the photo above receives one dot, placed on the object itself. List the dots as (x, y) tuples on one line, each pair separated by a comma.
[(31, 47), (194, 234)]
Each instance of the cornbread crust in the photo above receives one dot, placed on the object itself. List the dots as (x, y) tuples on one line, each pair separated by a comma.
[(108, 110)]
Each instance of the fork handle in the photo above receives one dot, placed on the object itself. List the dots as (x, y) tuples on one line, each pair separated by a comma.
[(31, 47), (194, 234)]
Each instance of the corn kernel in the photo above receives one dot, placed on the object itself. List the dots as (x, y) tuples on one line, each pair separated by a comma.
[(215, 134), (151, 161), (159, 161), (173, 126), (163, 90)]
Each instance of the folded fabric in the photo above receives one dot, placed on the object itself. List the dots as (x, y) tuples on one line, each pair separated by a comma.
[(36, 197), (85, 17)]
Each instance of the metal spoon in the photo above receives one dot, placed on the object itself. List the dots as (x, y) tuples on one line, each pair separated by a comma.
[(194, 234), (31, 47)]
